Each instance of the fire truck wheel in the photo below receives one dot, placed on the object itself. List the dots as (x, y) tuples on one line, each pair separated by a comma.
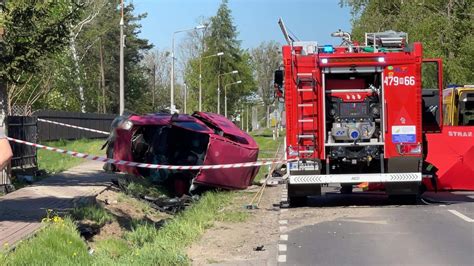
[(297, 201), (410, 199), (346, 189)]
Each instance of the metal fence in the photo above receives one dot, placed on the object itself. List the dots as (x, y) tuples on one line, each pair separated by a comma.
[(47, 131), (24, 128)]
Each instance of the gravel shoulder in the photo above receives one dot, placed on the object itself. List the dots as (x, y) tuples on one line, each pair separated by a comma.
[(234, 243)]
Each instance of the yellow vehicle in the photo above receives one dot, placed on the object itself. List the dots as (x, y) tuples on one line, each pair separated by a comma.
[(458, 106)]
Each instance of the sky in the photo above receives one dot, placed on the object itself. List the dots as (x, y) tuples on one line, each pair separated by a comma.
[(256, 20)]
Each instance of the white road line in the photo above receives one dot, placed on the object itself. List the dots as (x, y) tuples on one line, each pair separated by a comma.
[(283, 210), (283, 222), (472, 197), (283, 228), (281, 258), (462, 216), (283, 237), (282, 247)]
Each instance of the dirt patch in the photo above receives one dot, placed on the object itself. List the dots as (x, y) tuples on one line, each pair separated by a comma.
[(110, 230), (126, 210), (236, 242)]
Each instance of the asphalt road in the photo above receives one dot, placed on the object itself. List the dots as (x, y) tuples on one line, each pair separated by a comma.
[(369, 229)]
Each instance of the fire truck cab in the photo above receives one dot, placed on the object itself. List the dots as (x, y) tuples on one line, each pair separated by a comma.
[(357, 113)]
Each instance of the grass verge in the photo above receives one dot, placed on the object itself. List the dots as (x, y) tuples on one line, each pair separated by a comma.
[(92, 212), (53, 162), (268, 148), (60, 244)]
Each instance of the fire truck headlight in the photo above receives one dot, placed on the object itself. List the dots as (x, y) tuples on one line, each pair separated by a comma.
[(324, 61), (381, 60)]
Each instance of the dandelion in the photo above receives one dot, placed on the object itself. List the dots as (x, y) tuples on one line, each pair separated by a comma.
[(74, 254), (70, 242)]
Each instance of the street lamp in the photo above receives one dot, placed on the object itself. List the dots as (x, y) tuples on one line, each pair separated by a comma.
[(219, 88), (122, 64), (172, 107), (185, 97), (200, 76), (225, 94)]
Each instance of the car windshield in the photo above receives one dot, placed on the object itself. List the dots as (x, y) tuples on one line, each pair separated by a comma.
[(192, 126)]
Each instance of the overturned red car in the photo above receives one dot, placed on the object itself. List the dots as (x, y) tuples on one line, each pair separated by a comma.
[(179, 139)]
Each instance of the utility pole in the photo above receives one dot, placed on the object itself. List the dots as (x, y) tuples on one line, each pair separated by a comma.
[(247, 109), (185, 97), (122, 63), (154, 86)]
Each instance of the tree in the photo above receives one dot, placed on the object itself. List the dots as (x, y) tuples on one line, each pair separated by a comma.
[(222, 37), (265, 60), (33, 30), (445, 28)]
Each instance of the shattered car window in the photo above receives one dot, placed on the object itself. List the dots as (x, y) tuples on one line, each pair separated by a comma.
[(192, 126)]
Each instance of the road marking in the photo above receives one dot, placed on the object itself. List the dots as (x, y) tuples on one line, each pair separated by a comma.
[(472, 197), (283, 210), (283, 222), (462, 216), (364, 221), (282, 247), (283, 228), (283, 237), (282, 258)]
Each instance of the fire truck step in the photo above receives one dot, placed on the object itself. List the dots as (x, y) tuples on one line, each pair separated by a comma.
[(305, 120), (306, 136), (305, 104), (304, 74), (305, 90)]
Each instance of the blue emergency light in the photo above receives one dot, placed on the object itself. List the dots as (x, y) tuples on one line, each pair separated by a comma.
[(328, 49)]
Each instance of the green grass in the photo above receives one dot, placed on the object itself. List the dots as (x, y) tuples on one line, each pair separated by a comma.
[(166, 246), (53, 162), (92, 212), (143, 187), (60, 244), (268, 146), (56, 244), (137, 203), (142, 232)]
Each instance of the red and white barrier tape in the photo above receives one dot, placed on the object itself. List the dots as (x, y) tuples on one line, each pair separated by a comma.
[(72, 126), (146, 165)]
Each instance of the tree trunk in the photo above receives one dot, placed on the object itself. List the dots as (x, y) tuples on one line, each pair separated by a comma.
[(102, 74), (75, 58), (267, 115)]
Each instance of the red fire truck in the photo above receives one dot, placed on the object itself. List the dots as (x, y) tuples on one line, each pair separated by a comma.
[(358, 113)]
